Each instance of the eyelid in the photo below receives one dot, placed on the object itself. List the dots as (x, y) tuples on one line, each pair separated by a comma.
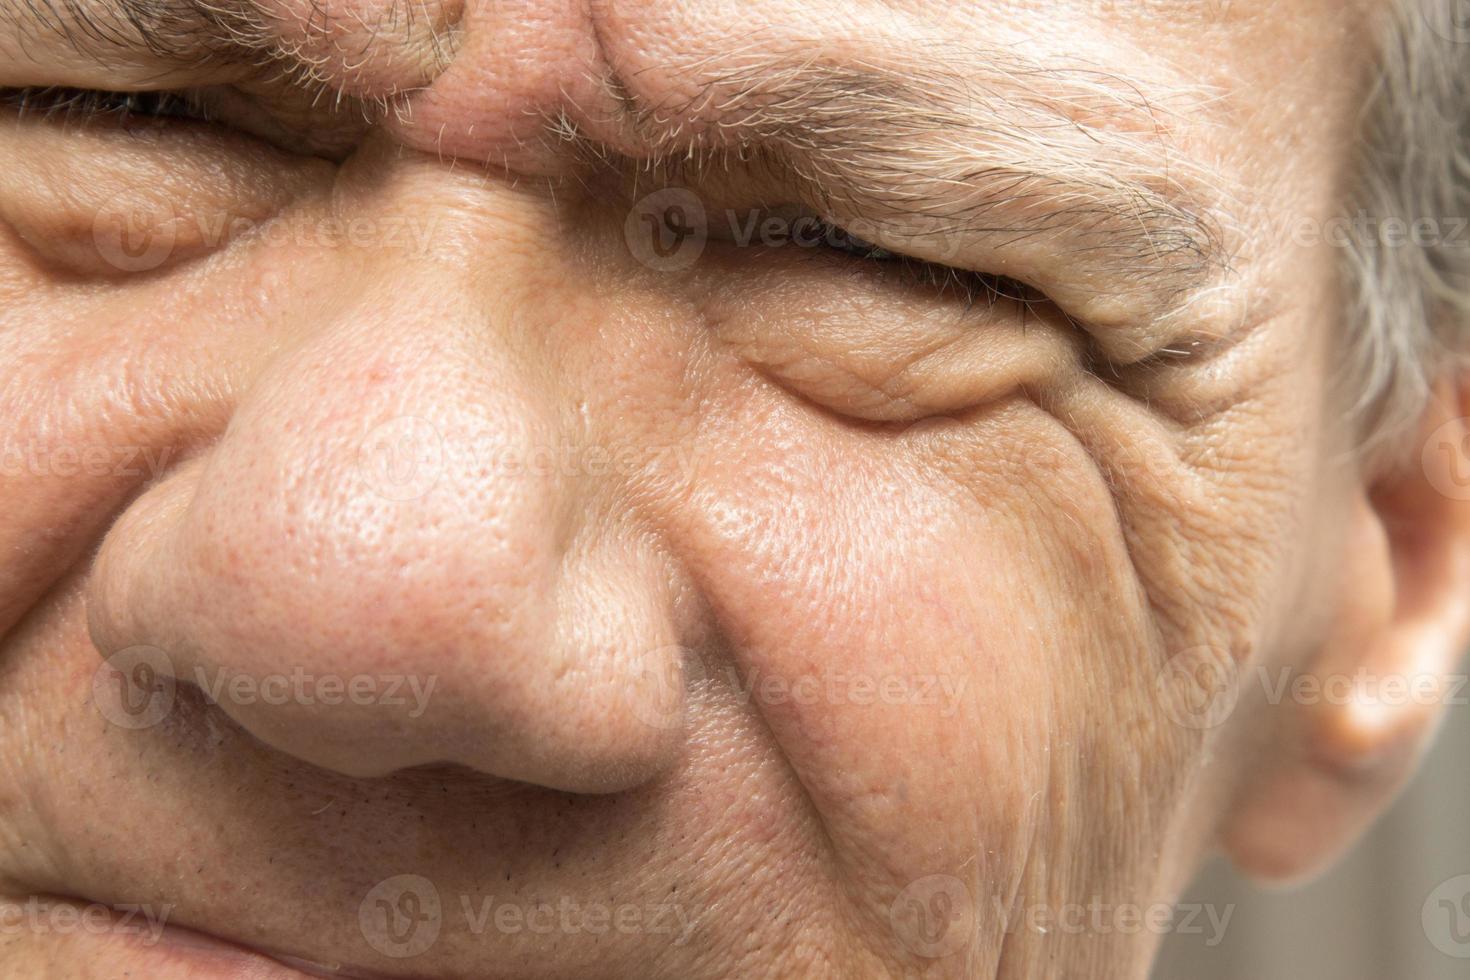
[(69, 194), (1122, 329), (869, 351), (1178, 347), (808, 231), (54, 101), (53, 56), (216, 106)]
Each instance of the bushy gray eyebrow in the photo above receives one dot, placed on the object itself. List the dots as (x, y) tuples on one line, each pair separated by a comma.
[(177, 32), (1072, 159), (944, 138)]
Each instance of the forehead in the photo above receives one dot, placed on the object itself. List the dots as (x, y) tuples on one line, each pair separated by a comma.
[(1110, 31)]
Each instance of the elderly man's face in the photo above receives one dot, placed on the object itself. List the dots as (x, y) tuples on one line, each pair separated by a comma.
[(480, 507)]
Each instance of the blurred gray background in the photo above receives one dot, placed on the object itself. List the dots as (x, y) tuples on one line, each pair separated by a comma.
[(1365, 919)]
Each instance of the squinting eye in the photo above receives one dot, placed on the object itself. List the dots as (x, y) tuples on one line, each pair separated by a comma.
[(69, 103), (269, 115), (967, 285), (839, 239)]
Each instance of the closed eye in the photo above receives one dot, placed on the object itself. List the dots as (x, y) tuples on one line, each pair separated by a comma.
[(267, 115), (791, 229), (966, 285), (54, 102)]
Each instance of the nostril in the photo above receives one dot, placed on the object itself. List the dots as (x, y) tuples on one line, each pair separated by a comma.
[(372, 724), (135, 688), (439, 632)]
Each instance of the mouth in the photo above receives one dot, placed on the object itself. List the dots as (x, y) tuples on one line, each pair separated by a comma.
[(237, 962), (114, 940)]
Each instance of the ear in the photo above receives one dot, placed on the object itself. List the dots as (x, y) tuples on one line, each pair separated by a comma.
[(1382, 678)]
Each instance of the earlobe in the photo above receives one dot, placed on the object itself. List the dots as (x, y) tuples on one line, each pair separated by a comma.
[(1380, 679)]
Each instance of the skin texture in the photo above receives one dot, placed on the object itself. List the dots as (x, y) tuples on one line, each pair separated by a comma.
[(611, 511)]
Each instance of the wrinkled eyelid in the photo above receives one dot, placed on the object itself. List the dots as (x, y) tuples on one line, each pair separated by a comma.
[(971, 286)]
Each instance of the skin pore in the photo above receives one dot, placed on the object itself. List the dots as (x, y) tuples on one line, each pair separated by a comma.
[(817, 617)]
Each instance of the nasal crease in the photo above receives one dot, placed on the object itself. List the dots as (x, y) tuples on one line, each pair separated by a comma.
[(502, 81)]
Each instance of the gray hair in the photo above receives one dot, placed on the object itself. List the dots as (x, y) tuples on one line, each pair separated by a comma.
[(1410, 300)]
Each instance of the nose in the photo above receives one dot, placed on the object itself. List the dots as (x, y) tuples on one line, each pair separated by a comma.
[(409, 545)]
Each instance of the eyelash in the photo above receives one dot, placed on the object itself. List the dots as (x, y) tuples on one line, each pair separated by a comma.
[(971, 287), (56, 102)]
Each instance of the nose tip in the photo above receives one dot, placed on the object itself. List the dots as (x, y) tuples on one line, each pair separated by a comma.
[(370, 599)]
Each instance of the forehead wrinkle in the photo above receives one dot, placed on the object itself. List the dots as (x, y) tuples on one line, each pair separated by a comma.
[(988, 144)]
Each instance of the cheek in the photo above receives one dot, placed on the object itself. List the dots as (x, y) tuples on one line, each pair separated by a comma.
[(926, 621)]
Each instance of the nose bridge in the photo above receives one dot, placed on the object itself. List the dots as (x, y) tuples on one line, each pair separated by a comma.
[(504, 81), (473, 78), (386, 510)]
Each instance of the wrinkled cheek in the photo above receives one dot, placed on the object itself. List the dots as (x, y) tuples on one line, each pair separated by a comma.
[(76, 801), (949, 607)]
